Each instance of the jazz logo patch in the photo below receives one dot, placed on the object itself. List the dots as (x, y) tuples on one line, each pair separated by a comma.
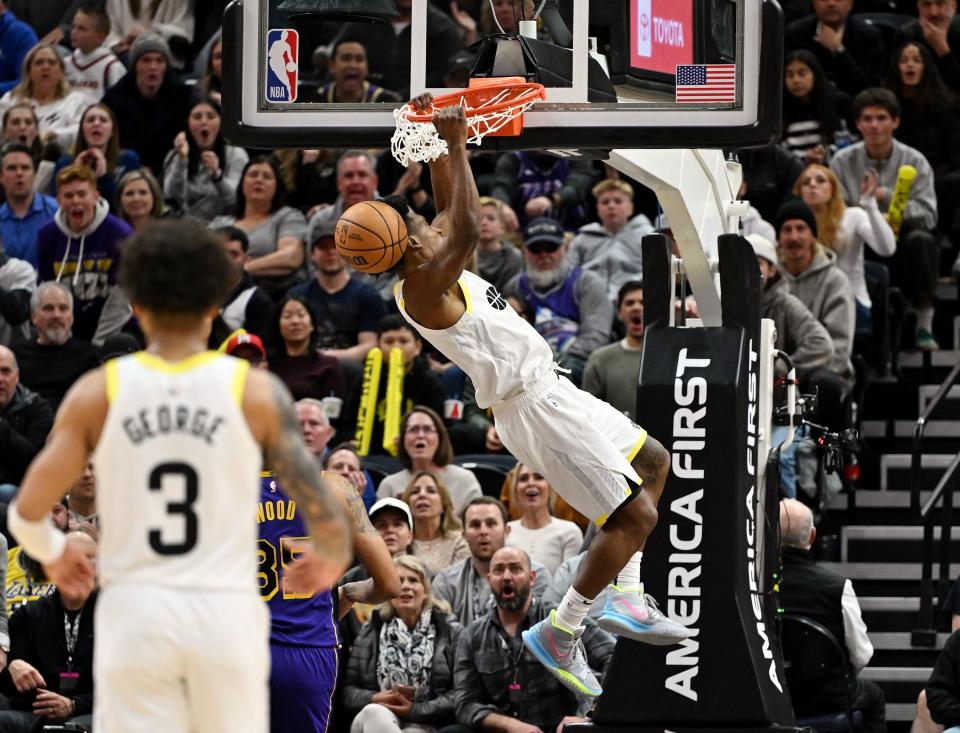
[(283, 65)]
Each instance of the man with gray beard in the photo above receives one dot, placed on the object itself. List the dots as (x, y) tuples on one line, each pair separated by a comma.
[(492, 657), (52, 361), (571, 307)]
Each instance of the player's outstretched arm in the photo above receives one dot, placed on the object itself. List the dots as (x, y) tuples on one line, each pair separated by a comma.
[(269, 410), (384, 582)]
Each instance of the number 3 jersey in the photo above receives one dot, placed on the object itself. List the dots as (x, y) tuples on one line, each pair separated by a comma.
[(296, 620), (177, 475)]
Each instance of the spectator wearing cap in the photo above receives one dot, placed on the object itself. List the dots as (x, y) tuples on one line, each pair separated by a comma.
[(24, 211), (53, 360), (611, 247), (150, 105), (812, 275), (349, 69), (573, 311), (18, 38), (877, 116), (613, 370), (18, 280), (248, 306), (249, 347), (348, 310), (81, 249)]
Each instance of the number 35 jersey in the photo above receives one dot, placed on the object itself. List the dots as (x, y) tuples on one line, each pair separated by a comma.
[(177, 475)]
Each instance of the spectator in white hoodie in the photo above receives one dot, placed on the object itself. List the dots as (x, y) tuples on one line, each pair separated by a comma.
[(92, 68), (611, 247)]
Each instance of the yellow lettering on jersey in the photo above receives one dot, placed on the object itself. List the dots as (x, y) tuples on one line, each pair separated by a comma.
[(282, 510)]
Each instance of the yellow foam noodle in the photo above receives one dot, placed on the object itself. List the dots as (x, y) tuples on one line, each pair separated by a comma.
[(906, 175), (372, 366), (391, 422)]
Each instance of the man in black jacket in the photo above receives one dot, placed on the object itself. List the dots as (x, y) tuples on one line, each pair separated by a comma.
[(943, 687), (150, 105), (50, 675), (812, 591), (937, 28), (25, 420)]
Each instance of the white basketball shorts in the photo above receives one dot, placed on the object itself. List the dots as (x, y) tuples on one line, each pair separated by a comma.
[(580, 444), (174, 660)]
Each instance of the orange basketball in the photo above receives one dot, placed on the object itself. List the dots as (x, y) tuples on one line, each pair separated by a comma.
[(371, 236)]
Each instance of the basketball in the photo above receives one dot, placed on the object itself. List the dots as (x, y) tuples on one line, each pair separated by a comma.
[(371, 236), (291, 67)]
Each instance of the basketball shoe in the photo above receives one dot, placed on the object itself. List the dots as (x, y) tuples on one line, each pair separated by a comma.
[(634, 614), (561, 652)]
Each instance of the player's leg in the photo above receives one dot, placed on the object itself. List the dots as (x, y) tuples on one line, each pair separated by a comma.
[(228, 663), (138, 670), (302, 685)]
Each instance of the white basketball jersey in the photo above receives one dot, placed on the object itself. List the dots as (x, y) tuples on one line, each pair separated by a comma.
[(178, 474), (500, 352)]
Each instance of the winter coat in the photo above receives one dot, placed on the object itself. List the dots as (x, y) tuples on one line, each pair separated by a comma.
[(25, 422), (616, 258), (801, 336)]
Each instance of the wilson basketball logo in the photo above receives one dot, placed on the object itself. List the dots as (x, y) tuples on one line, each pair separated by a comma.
[(495, 299)]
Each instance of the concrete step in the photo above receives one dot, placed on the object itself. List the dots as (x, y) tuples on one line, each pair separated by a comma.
[(889, 544), (895, 470), (907, 428), (885, 579), (893, 649), (949, 408), (873, 507)]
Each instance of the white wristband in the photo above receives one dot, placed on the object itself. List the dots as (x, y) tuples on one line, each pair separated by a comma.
[(40, 540)]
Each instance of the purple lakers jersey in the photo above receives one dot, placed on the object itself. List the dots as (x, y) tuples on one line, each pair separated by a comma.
[(297, 620)]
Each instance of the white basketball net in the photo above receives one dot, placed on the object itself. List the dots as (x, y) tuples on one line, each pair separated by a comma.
[(419, 141)]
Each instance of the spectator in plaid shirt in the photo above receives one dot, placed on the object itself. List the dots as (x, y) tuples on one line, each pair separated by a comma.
[(499, 684)]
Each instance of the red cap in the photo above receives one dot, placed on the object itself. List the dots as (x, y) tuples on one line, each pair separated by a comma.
[(250, 339)]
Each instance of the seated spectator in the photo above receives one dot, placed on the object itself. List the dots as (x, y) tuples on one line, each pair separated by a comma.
[(845, 229), (315, 427), (612, 373), (938, 29), (211, 83), (498, 261), (611, 247), (420, 387), (356, 181), (491, 657), (464, 584), (82, 499), (54, 360), (437, 533), (940, 699), (202, 171), (814, 111), (294, 356), (20, 126), (248, 307), (25, 421), (139, 199), (25, 581), (349, 69), (812, 275), (89, 267), (17, 281), (24, 212), (538, 533), (348, 310), (388, 46), (849, 49), (400, 673), (18, 39), (344, 460), (812, 591), (573, 312), (877, 114), (276, 231), (44, 85), (247, 346), (560, 509), (48, 638), (536, 184), (92, 68), (98, 148), (171, 20), (424, 447), (393, 520), (149, 103)]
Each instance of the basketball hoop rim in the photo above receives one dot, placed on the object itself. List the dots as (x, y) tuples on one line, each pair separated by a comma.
[(523, 94)]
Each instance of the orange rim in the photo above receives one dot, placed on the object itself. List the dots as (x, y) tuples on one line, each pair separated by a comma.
[(520, 93)]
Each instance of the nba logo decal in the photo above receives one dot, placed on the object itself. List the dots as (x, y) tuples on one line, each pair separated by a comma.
[(283, 66)]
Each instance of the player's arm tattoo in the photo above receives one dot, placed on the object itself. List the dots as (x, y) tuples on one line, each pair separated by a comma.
[(297, 471), (355, 508), (362, 591)]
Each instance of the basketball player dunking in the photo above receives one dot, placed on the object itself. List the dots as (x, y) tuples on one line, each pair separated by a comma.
[(594, 456), (176, 433)]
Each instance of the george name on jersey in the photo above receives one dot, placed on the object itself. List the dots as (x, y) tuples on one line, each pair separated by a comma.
[(169, 419)]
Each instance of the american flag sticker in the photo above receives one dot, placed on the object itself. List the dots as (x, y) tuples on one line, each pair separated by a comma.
[(706, 83)]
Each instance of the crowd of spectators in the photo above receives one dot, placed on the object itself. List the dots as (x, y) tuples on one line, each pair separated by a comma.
[(111, 118)]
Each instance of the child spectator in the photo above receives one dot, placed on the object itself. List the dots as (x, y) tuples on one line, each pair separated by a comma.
[(815, 113), (497, 260), (92, 68)]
